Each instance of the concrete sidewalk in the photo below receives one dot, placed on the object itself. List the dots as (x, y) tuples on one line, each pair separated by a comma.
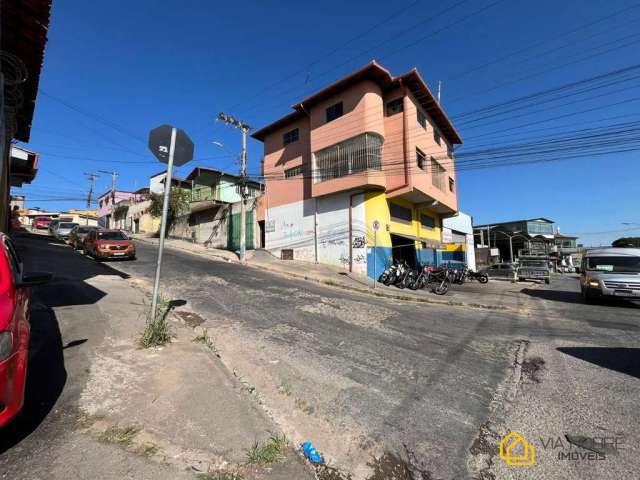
[(167, 410), (495, 295)]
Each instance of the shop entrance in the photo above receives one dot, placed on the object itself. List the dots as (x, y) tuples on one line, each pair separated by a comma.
[(403, 249)]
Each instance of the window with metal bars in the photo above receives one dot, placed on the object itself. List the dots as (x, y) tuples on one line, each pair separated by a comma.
[(357, 154), (293, 172)]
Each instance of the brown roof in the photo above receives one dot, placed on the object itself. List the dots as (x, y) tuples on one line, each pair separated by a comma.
[(24, 25), (372, 71)]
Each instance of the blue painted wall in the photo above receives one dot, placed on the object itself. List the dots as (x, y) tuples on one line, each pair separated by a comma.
[(383, 260)]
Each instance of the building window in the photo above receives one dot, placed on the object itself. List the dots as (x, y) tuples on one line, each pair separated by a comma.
[(436, 136), (452, 185), (293, 172), (290, 137), (427, 221), (421, 159), (354, 155), (422, 119), (437, 174), (394, 106), (399, 213), (334, 111)]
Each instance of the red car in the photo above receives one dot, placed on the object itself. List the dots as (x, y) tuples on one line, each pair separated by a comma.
[(14, 328), (41, 223), (103, 244)]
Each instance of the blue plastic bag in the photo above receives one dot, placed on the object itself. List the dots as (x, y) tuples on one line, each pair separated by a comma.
[(312, 454)]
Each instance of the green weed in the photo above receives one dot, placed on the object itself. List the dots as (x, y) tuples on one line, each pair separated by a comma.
[(157, 331), (271, 451)]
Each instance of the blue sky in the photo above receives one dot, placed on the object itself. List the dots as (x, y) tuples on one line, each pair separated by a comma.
[(135, 65)]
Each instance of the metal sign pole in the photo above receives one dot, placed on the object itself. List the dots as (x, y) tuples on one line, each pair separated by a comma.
[(163, 224), (375, 245)]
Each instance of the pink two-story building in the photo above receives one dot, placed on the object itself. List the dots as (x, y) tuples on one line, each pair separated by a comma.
[(371, 150)]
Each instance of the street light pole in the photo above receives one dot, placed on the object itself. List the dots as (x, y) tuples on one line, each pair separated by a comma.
[(228, 119)]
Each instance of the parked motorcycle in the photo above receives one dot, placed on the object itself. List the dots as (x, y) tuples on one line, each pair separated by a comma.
[(481, 277), (439, 281)]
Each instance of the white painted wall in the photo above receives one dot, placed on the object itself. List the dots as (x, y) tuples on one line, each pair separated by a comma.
[(292, 226), (156, 184)]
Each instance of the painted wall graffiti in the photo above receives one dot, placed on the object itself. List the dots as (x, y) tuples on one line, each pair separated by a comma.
[(358, 242)]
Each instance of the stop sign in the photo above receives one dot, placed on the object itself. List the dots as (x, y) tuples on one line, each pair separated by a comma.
[(160, 144)]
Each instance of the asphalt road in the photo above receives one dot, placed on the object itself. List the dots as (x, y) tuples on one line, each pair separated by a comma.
[(417, 378)]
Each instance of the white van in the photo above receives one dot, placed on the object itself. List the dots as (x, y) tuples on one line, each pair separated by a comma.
[(610, 272)]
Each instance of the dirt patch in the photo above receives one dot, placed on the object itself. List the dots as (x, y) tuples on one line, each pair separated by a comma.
[(391, 467), (189, 318), (531, 369)]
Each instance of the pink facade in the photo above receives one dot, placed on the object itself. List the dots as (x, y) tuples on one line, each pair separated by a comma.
[(105, 204), (402, 122)]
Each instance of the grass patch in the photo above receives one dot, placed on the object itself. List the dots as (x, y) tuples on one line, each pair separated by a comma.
[(271, 451), (220, 476), (119, 435), (207, 341), (157, 331)]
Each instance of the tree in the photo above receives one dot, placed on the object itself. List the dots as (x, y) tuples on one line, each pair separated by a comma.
[(179, 199), (633, 242)]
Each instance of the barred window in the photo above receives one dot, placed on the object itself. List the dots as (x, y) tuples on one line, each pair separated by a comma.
[(354, 155), (293, 172)]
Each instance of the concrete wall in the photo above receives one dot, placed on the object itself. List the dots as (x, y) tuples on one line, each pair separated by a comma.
[(293, 226)]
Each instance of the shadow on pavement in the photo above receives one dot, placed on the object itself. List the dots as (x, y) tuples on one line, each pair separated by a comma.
[(70, 270), (567, 296), (623, 360), (46, 372), (46, 378)]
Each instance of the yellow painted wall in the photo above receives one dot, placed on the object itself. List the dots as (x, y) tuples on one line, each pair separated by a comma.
[(377, 208)]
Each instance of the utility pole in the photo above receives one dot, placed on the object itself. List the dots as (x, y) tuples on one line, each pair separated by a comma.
[(114, 176), (244, 128), (91, 177)]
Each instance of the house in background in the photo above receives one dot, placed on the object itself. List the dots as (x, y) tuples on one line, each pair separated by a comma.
[(106, 205), (214, 218), (369, 148)]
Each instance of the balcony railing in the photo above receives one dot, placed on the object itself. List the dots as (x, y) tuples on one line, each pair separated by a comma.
[(201, 194), (354, 155)]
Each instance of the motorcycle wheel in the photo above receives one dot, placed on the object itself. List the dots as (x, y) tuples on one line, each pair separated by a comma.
[(382, 278), (442, 288), (483, 278)]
